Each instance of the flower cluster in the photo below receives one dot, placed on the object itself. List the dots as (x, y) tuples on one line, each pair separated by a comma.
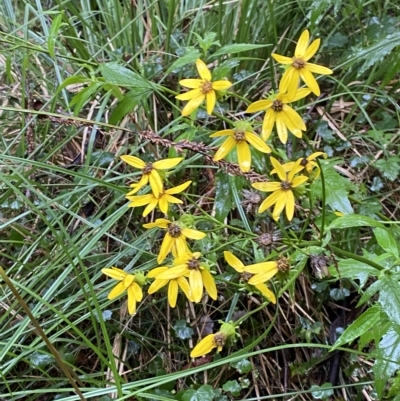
[(188, 272)]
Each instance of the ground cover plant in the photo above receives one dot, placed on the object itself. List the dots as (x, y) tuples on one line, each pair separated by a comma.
[(199, 200)]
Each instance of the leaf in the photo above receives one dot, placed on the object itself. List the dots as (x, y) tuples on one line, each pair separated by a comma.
[(354, 220), (182, 330), (389, 167), (243, 366), (339, 294), (356, 270), (237, 48), (183, 60), (322, 392), (203, 393), (77, 79), (389, 298), (233, 387), (338, 200), (389, 349), (82, 97), (116, 74), (361, 325), (223, 198), (386, 241), (53, 34)]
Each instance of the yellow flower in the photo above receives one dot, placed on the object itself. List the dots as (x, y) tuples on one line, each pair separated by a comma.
[(173, 287), (262, 272), (188, 265), (162, 200), (175, 238), (280, 113), (306, 163), (202, 89), (241, 137), (299, 67), (128, 282), (217, 340), (282, 196), (150, 173)]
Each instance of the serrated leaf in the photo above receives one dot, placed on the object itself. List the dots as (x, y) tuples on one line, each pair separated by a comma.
[(388, 350), (237, 48), (386, 241), (356, 270), (182, 330), (233, 387), (354, 220), (390, 167), (362, 324), (243, 366), (389, 298), (116, 74)]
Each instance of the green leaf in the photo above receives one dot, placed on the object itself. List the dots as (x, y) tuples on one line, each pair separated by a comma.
[(204, 393), (356, 270), (389, 167), (243, 366), (389, 298), (53, 34), (322, 392), (116, 74), (338, 200), (76, 79), (237, 48), (182, 330), (190, 57), (354, 220), (361, 325), (82, 97), (386, 241), (388, 351), (233, 387), (223, 199)]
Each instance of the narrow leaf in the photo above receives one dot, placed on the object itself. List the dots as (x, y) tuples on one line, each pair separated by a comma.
[(238, 48), (354, 220), (53, 34)]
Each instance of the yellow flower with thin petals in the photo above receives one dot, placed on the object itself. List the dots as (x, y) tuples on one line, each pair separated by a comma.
[(202, 89), (282, 196), (256, 274), (211, 341), (173, 285), (163, 199), (175, 238), (199, 276), (131, 283), (280, 113), (150, 173), (240, 137), (306, 163), (299, 67)]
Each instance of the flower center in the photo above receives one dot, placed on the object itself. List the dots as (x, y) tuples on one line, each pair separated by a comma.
[(193, 264), (206, 87), (298, 63), (219, 339), (277, 106), (304, 162), (286, 185), (174, 230), (245, 276), (239, 136), (283, 264), (147, 168)]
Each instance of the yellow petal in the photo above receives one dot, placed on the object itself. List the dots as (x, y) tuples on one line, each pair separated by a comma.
[(137, 186), (174, 272), (244, 156), (302, 44), (282, 59), (128, 280), (310, 81), (163, 204), (160, 223), (262, 268), (269, 201), (196, 285), (221, 85), (279, 169), (233, 261), (279, 205), (210, 101), (224, 149), (193, 105), (314, 155), (281, 127), (205, 346), (193, 234), (259, 105), (156, 183), (117, 291), (140, 200), (133, 161), (172, 293), (191, 83), (166, 248), (257, 142), (312, 49), (185, 287), (266, 292), (224, 132), (209, 284), (318, 69), (289, 205), (203, 70), (131, 301), (267, 186), (292, 119), (301, 179), (150, 207), (300, 94), (115, 273), (289, 82), (178, 189), (157, 271), (156, 285), (194, 93), (166, 164), (268, 124), (180, 247), (136, 291)]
